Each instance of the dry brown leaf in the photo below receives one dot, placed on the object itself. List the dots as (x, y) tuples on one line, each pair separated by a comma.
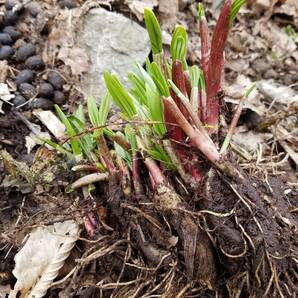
[(281, 44), (76, 58), (137, 6), (168, 13), (250, 140)]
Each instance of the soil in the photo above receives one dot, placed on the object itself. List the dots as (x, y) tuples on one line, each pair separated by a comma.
[(232, 237)]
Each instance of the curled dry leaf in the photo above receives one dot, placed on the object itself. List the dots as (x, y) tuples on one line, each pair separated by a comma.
[(138, 6), (277, 93), (39, 261), (250, 140), (76, 58)]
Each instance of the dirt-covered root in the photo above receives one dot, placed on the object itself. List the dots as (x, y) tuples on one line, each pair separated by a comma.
[(163, 234), (255, 235)]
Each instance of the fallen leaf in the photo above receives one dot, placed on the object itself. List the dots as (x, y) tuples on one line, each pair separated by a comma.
[(76, 58), (5, 95), (35, 139), (39, 261), (250, 140), (137, 7), (280, 42), (236, 90), (277, 93), (51, 122), (168, 13)]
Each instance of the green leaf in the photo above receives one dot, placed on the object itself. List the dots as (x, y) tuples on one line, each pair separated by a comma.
[(126, 156), (75, 145), (155, 110), (85, 141), (179, 45), (159, 80), (202, 82), (201, 12), (92, 111), (194, 75), (138, 88), (57, 147), (120, 96), (130, 135), (235, 8), (159, 154), (250, 89), (154, 31), (104, 109), (79, 113)]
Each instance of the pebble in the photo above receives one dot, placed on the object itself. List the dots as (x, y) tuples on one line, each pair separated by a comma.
[(6, 52), (11, 18), (59, 98), (252, 119), (19, 100), (10, 4), (270, 74), (13, 33), (55, 80), (25, 52), (27, 90), (260, 65), (42, 103), (46, 90), (24, 76), (35, 63), (67, 4), (34, 8), (5, 39)]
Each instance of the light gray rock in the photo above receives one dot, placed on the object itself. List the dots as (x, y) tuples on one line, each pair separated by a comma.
[(113, 43)]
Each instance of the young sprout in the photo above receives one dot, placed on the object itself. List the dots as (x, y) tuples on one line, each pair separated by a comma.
[(235, 8), (75, 144), (120, 95), (179, 45), (154, 31)]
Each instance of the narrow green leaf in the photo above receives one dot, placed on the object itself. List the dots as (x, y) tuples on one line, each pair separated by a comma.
[(120, 96), (159, 80), (86, 142), (194, 74), (179, 45), (235, 8), (130, 135), (92, 111), (120, 151), (75, 145), (159, 154), (154, 31), (104, 109), (202, 82), (201, 12), (79, 113), (156, 110), (250, 89), (57, 147)]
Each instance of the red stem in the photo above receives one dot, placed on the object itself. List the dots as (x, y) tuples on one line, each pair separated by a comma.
[(196, 136), (215, 65)]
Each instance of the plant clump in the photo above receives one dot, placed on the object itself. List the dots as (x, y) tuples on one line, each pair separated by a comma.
[(186, 206)]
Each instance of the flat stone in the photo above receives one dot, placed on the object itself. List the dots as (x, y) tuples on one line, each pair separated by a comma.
[(113, 43)]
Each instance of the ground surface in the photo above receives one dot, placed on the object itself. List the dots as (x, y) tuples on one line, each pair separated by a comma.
[(262, 48)]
